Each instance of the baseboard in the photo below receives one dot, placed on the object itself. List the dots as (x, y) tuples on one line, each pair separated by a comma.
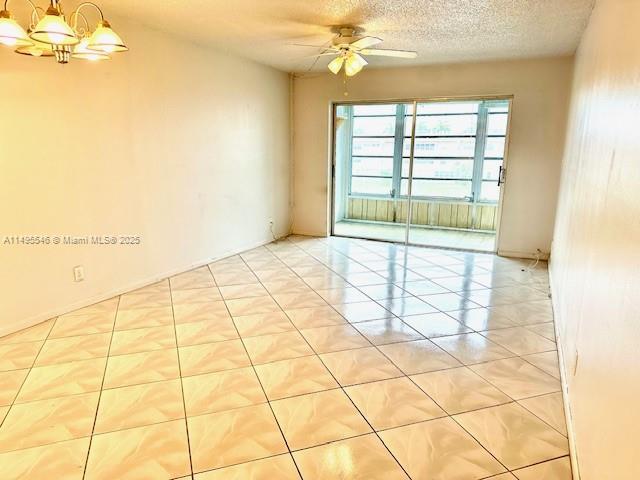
[(36, 319), (575, 468), (517, 254)]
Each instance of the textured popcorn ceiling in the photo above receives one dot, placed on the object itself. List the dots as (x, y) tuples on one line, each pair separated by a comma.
[(440, 30)]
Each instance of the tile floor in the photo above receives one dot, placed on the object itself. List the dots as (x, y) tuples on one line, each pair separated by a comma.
[(419, 235), (307, 358)]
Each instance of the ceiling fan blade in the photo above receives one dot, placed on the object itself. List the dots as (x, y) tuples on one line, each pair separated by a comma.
[(304, 45), (366, 42), (324, 54), (336, 64), (389, 53)]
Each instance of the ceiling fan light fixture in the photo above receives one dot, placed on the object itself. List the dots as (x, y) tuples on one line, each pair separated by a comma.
[(54, 30), (354, 64), (336, 64), (12, 34), (105, 40)]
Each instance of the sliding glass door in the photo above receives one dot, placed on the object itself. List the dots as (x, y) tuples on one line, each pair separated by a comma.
[(424, 173)]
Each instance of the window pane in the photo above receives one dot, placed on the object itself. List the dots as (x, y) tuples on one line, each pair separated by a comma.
[(381, 109), (438, 188), (442, 125), (374, 126), (376, 147), (490, 192), (498, 106), (382, 167), (441, 147), (434, 168), (491, 169), (497, 124), (371, 186), (436, 108), (494, 147)]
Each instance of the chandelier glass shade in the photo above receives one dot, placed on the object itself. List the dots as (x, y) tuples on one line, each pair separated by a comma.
[(50, 34)]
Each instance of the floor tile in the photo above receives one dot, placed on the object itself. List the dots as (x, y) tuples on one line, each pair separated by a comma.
[(549, 408), (139, 405), (362, 311), (546, 330), (459, 390), (296, 376), (363, 457), (423, 287), (252, 306), (472, 348), (248, 290), (132, 301), (197, 278), (278, 346), (280, 467), (106, 307), (234, 278), (439, 449), (314, 317), (48, 421), (196, 333), (337, 296), (10, 383), (546, 361), (234, 436), (334, 338), (263, 324), (299, 300), (14, 356), (390, 330), (393, 403), (215, 392), (418, 357), (212, 357), (52, 381), (143, 340), (200, 312), (407, 306), (82, 325), (517, 378), (435, 325), (317, 418), (384, 292), (558, 469), (361, 365), (144, 317), (513, 435), (154, 451), (62, 461), (449, 302), (145, 367), (196, 295), (520, 340), (31, 334), (481, 319)]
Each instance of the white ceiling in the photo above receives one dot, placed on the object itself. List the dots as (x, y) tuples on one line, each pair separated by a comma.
[(442, 31)]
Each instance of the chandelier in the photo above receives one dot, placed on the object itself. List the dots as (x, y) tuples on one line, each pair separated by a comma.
[(49, 34)]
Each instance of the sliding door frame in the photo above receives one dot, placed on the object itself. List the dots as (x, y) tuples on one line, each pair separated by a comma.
[(415, 101)]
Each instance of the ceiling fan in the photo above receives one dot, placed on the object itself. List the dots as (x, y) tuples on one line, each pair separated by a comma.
[(351, 49)]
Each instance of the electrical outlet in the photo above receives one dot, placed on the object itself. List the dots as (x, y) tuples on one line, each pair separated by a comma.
[(78, 273)]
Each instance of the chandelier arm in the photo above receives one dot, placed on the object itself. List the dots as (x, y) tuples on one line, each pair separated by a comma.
[(34, 8), (76, 12)]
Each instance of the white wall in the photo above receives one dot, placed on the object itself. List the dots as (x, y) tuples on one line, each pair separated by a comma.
[(541, 92), (595, 268), (186, 147)]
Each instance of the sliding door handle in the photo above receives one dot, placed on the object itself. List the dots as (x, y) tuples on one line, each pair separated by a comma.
[(501, 175)]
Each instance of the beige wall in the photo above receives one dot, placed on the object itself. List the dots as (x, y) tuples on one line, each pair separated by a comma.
[(541, 92), (184, 146), (595, 268)]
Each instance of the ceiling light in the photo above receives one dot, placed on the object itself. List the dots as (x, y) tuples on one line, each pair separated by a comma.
[(81, 50), (104, 39), (12, 34), (50, 34), (53, 29), (353, 64), (336, 64)]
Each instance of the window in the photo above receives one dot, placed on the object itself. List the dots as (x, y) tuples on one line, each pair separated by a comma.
[(458, 149)]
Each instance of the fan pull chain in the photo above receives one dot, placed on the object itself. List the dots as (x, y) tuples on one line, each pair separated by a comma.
[(344, 81)]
